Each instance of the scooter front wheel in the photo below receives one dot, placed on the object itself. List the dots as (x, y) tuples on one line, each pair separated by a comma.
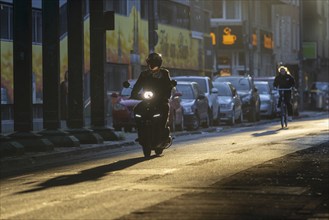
[(146, 151)]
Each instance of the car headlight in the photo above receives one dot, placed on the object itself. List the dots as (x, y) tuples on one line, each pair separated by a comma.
[(188, 109), (227, 106), (119, 107)]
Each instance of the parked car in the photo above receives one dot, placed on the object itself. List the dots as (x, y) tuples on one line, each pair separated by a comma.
[(230, 103), (248, 94), (267, 99), (319, 95), (176, 116), (294, 94), (195, 105), (122, 111), (206, 86)]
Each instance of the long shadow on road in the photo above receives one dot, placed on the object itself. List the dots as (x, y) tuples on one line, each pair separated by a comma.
[(92, 174)]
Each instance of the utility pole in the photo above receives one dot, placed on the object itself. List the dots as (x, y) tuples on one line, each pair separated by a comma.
[(250, 31), (301, 58), (153, 24)]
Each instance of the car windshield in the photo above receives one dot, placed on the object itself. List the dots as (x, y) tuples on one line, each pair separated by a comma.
[(262, 88), (223, 89), (270, 81), (241, 84), (186, 90), (321, 86), (201, 82)]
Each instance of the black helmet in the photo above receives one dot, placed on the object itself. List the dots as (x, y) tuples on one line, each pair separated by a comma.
[(154, 59)]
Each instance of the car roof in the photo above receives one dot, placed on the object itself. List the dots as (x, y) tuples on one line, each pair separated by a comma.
[(221, 83), (186, 83), (195, 77), (233, 77), (261, 82), (259, 78)]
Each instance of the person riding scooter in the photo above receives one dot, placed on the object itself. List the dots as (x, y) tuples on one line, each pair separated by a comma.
[(158, 80)]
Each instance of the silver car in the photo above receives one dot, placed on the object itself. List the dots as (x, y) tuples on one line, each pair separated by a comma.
[(206, 86), (230, 103), (267, 99)]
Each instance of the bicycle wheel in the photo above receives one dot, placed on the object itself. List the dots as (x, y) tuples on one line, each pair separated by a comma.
[(285, 116), (282, 117)]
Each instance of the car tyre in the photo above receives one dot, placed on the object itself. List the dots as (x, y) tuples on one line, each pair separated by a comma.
[(196, 123), (252, 115), (240, 119), (117, 128), (232, 119), (180, 127), (206, 124)]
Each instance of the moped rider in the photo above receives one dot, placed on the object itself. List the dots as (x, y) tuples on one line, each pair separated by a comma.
[(284, 80), (157, 80)]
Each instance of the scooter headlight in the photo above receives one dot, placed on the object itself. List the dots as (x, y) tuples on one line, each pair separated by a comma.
[(148, 95)]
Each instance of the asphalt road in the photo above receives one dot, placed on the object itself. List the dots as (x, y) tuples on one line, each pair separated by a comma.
[(256, 172)]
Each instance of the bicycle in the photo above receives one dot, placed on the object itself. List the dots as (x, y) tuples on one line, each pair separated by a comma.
[(283, 108)]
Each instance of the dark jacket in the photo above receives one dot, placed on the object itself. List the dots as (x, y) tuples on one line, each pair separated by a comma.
[(284, 81), (160, 84)]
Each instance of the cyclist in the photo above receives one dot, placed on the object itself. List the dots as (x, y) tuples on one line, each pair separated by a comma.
[(284, 80)]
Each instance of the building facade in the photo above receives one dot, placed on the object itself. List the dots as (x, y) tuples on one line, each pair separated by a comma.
[(315, 34)]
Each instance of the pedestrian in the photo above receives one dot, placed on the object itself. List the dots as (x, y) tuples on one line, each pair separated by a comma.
[(64, 97)]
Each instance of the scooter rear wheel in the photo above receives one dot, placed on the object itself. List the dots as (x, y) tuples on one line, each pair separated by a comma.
[(158, 151)]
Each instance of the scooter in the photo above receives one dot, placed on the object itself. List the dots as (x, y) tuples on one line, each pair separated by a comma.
[(148, 119)]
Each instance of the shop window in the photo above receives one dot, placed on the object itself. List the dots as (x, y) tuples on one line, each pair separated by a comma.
[(224, 60), (36, 26), (6, 19)]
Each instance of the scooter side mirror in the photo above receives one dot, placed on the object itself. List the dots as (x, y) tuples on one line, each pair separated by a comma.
[(126, 84)]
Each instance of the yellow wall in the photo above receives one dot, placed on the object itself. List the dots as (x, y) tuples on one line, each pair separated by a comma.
[(178, 48)]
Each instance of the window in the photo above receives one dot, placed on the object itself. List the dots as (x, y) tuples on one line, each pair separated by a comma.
[(118, 6), (183, 19), (174, 14), (224, 60), (166, 12), (144, 9), (241, 59), (232, 9), (85, 8), (218, 9), (6, 19), (36, 26), (227, 9), (63, 20)]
